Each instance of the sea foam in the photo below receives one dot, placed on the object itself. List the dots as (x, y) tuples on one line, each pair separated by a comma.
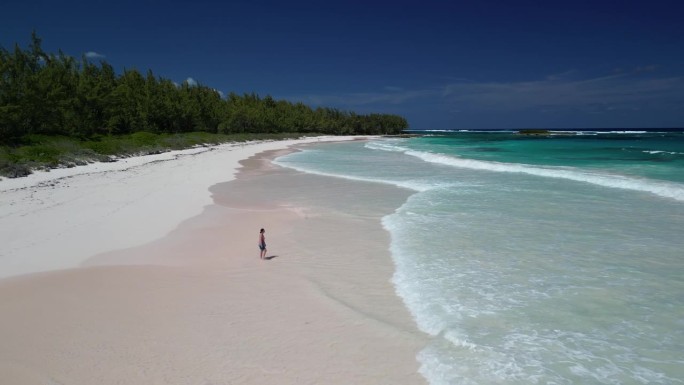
[(660, 188), (410, 185)]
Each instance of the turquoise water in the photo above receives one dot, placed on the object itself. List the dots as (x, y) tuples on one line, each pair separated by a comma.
[(534, 260)]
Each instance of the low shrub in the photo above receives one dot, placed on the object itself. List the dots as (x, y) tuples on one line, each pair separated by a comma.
[(42, 151)]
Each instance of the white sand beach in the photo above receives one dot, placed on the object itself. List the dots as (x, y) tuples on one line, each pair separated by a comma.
[(146, 271)]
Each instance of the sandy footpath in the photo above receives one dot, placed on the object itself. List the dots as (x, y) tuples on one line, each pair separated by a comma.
[(179, 296)]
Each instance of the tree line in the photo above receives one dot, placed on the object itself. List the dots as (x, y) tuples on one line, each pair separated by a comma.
[(56, 94)]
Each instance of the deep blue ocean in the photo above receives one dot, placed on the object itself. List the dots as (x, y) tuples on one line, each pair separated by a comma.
[(534, 259)]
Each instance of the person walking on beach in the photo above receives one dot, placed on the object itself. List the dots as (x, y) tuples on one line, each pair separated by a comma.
[(262, 244)]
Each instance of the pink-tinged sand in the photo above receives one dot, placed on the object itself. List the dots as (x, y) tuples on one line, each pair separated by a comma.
[(196, 305)]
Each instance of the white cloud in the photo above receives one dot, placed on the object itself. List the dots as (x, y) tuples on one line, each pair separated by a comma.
[(622, 90), (94, 55), (191, 82)]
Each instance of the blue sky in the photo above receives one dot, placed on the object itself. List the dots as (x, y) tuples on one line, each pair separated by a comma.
[(441, 64)]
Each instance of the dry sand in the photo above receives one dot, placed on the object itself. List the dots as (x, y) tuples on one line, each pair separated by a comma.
[(190, 302)]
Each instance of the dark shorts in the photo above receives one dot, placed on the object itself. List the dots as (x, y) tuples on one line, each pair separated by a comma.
[(262, 247)]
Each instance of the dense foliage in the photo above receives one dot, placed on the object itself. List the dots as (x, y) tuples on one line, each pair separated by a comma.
[(54, 94)]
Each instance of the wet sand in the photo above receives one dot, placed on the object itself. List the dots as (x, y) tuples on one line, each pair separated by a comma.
[(198, 306)]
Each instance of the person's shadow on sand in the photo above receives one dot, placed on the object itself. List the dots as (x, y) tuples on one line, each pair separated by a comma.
[(270, 257)]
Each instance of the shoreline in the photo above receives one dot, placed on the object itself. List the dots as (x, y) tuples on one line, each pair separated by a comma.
[(198, 305), (60, 218)]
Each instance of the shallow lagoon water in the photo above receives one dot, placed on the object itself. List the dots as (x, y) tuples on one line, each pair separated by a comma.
[(547, 260)]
